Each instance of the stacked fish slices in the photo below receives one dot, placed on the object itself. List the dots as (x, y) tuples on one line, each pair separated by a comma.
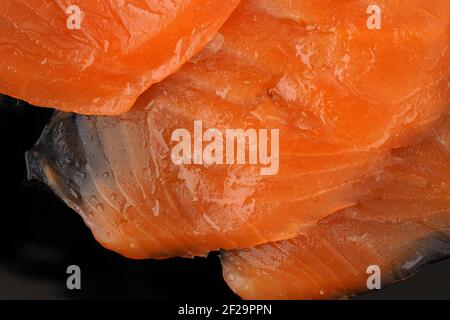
[(308, 142)]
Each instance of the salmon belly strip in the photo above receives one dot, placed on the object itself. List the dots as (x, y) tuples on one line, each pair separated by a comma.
[(119, 50), (399, 227), (337, 123)]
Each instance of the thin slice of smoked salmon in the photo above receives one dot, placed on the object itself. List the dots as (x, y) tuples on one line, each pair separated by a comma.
[(400, 227), (119, 50), (336, 121)]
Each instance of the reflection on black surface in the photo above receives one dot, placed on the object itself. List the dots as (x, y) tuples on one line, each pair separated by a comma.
[(40, 237)]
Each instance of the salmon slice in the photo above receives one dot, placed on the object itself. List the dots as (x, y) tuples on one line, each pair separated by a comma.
[(119, 50), (335, 133), (401, 226)]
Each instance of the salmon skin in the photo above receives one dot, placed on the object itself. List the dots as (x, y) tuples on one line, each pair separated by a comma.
[(340, 95), (398, 228), (98, 56)]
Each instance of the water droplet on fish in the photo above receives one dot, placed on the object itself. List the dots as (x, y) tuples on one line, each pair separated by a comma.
[(73, 193), (155, 209), (410, 117)]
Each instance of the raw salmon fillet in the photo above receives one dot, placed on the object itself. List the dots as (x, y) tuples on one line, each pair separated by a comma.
[(121, 48), (401, 226), (339, 112)]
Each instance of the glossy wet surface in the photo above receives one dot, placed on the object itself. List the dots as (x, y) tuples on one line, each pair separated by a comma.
[(40, 237)]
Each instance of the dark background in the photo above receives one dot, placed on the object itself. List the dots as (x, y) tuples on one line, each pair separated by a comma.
[(40, 237)]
